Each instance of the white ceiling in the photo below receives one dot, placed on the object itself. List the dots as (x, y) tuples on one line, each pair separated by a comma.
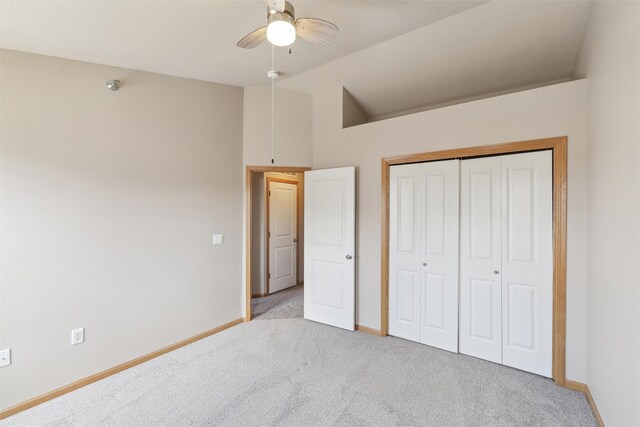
[(491, 48), (196, 39)]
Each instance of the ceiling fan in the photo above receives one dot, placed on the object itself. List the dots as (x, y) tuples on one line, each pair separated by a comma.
[(283, 27)]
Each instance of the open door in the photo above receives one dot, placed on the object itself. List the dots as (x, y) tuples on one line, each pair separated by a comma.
[(329, 260)]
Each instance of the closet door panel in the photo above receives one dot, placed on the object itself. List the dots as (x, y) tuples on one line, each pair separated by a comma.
[(480, 259), (439, 254), (404, 251), (527, 261)]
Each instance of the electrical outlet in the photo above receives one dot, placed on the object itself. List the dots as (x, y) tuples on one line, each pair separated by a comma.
[(218, 239), (5, 357), (77, 336)]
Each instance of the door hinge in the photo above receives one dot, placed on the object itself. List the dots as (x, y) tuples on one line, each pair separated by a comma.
[(269, 193), (269, 275), (269, 234)]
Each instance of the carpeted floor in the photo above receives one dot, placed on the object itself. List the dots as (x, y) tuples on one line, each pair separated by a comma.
[(288, 371), (286, 304)]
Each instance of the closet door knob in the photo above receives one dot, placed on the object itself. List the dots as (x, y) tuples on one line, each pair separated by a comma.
[(496, 272), (424, 264), (348, 257)]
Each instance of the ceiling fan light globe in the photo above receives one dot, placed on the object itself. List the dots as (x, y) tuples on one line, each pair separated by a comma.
[(281, 33)]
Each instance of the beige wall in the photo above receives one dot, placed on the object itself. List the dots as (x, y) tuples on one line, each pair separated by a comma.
[(258, 231), (293, 126), (108, 204), (545, 112), (610, 59)]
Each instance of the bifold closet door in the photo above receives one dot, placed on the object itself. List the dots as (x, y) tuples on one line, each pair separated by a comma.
[(506, 260), (527, 261), (404, 251), (480, 259), (423, 258)]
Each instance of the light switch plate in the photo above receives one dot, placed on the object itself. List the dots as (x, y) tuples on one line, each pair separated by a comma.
[(218, 239), (77, 336), (5, 357)]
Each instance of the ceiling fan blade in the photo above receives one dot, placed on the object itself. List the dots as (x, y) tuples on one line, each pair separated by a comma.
[(316, 31), (277, 5), (253, 39)]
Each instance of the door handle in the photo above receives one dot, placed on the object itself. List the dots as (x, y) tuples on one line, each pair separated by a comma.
[(348, 257), (424, 264), (295, 240), (496, 272)]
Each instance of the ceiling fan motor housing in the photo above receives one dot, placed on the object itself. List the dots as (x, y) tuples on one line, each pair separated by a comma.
[(288, 10), (288, 15)]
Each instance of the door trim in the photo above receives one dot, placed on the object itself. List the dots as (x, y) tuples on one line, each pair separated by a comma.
[(268, 224), (558, 145), (249, 192)]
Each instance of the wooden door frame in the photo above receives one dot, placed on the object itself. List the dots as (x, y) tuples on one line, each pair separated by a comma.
[(249, 210), (267, 219), (558, 145)]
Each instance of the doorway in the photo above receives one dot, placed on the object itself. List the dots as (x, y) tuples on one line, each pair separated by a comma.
[(274, 261), (281, 222)]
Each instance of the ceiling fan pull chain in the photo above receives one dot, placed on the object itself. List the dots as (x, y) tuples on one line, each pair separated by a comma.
[(273, 103)]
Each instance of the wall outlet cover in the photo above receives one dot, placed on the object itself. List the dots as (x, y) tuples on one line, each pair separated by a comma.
[(218, 239)]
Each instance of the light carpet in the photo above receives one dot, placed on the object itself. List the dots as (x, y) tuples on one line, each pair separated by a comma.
[(286, 304), (294, 372)]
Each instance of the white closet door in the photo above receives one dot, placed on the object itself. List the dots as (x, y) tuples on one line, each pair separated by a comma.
[(404, 251), (527, 261), (423, 253), (439, 254), (480, 259)]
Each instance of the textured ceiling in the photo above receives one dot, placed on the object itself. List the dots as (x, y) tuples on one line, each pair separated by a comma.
[(196, 39)]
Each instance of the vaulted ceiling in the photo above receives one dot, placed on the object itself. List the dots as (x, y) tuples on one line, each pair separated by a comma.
[(197, 39), (391, 55)]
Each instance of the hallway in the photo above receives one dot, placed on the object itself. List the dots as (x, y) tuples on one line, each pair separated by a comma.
[(286, 304)]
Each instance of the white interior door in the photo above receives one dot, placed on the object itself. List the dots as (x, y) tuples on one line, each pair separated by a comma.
[(423, 246), (527, 261), (283, 261), (329, 247), (480, 259)]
